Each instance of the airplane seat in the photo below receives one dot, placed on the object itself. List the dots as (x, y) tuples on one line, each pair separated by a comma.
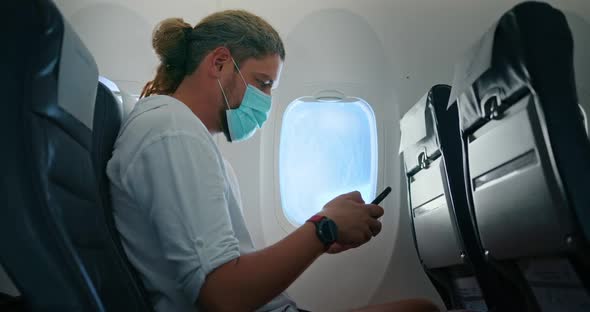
[(432, 224), (526, 163), (432, 156), (123, 278), (56, 245), (584, 119)]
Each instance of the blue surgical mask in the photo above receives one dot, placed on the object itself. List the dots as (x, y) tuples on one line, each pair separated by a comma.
[(243, 121)]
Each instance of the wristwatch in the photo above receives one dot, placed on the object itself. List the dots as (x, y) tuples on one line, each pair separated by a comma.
[(325, 229)]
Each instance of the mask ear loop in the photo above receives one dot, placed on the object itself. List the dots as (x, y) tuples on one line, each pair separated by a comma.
[(238, 68), (223, 92)]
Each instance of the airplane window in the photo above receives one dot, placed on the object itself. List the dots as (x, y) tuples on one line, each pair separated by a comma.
[(326, 148)]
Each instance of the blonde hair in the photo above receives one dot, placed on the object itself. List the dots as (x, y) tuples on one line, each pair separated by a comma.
[(181, 48)]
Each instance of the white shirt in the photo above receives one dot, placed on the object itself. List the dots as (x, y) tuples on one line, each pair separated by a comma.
[(176, 207)]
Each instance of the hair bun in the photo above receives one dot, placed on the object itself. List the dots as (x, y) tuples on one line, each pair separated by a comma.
[(169, 40)]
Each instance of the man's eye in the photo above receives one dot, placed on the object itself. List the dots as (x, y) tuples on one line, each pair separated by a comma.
[(263, 84)]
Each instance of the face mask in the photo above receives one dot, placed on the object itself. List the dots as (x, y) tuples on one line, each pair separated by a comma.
[(243, 121)]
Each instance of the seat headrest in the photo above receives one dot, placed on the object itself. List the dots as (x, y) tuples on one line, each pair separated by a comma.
[(107, 122), (473, 63), (78, 77), (415, 125), (419, 126), (529, 48)]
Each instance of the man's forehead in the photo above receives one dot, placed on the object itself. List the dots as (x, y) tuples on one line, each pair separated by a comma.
[(267, 68), (275, 83)]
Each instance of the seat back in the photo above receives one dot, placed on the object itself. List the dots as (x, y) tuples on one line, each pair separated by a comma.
[(585, 119), (57, 239), (528, 157), (432, 156), (116, 280), (37, 251)]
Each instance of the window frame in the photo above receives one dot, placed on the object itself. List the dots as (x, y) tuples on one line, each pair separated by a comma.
[(280, 210)]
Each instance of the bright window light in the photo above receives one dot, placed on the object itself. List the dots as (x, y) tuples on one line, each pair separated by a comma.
[(327, 148)]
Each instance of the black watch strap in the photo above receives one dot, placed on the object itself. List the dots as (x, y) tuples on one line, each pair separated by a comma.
[(326, 229)]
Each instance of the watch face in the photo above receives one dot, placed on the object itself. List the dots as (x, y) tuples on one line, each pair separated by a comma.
[(328, 231)]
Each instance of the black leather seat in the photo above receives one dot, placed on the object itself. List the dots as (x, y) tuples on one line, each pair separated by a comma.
[(444, 237), (527, 157), (436, 239), (57, 237), (117, 280)]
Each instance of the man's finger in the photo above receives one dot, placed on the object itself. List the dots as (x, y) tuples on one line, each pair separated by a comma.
[(375, 211), (368, 234), (375, 226), (354, 196)]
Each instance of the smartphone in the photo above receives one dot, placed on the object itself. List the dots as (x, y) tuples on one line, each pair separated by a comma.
[(381, 196)]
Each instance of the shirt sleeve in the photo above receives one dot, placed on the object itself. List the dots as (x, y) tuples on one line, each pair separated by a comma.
[(178, 180)]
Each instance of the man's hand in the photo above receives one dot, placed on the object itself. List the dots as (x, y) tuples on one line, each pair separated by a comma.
[(338, 248), (357, 222)]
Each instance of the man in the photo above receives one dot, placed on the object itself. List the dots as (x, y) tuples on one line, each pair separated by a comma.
[(178, 217)]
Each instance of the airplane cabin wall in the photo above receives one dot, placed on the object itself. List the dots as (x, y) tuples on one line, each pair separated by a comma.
[(422, 41), (414, 45)]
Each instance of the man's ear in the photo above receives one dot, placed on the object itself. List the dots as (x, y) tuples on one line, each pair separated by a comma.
[(220, 57)]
